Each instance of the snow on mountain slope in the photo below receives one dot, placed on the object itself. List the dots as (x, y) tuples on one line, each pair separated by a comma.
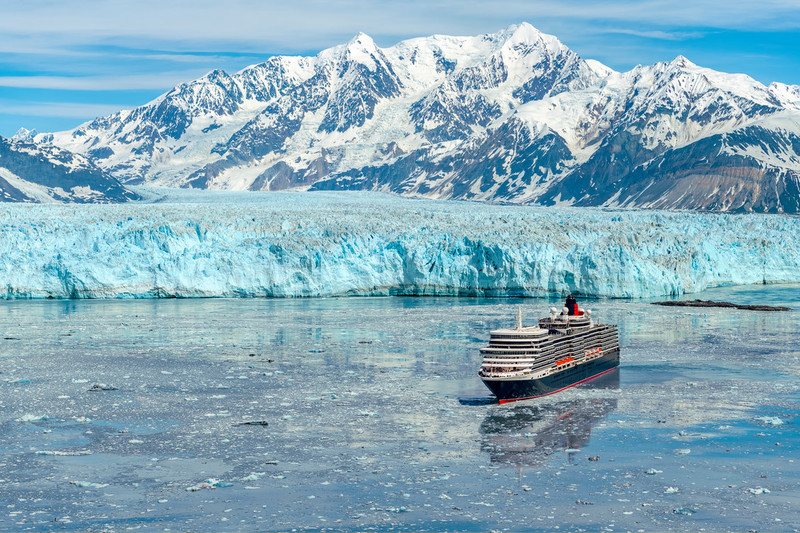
[(41, 173), (787, 95), (203, 243), (514, 116)]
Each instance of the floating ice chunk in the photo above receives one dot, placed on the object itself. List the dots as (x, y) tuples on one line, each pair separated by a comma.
[(572, 450), (210, 483), (36, 418), (101, 387), (89, 484), (670, 490), (653, 472), (60, 453), (758, 490), (683, 451), (770, 420), (254, 476), (19, 381), (368, 414), (682, 511), (136, 441)]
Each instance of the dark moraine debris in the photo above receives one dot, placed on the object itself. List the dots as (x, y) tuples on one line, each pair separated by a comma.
[(252, 423), (711, 303)]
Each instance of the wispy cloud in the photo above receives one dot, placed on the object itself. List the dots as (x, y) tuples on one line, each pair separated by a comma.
[(74, 110), (659, 34), (312, 24), (161, 80)]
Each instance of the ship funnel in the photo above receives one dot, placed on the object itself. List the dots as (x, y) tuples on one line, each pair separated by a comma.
[(571, 305)]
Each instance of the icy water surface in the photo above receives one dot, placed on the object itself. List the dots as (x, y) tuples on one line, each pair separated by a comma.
[(367, 414)]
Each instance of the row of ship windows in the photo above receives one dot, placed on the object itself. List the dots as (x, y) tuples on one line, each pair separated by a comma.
[(522, 357), (510, 366), (535, 351)]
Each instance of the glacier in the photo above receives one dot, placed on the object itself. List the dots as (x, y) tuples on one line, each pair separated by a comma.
[(193, 243)]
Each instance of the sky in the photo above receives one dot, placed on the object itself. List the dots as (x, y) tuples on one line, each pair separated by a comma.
[(64, 62)]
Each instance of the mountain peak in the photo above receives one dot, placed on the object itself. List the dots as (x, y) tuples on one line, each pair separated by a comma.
[(215, 75), (523, 32), (361, 49), (681, 62), (24, 135), (526, 37), (361, 41)]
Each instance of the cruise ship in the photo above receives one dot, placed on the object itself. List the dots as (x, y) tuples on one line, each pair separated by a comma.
[(563, 350)]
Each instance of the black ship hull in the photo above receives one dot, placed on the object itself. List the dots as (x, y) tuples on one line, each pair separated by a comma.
[(510, 390)]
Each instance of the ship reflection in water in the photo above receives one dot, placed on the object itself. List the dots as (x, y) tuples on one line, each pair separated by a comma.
[(529, 432)]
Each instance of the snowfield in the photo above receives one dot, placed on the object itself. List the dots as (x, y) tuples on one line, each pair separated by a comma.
[(227, 244)]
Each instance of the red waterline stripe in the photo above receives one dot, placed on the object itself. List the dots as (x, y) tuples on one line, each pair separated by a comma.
[(559, 390)]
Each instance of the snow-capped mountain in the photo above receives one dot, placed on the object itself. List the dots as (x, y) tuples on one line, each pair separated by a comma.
[(47, 174), (513, 117)]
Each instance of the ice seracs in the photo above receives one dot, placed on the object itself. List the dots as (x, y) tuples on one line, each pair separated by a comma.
[(212, 243)]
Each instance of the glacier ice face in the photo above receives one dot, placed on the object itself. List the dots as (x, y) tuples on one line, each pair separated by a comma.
[(226, 244)]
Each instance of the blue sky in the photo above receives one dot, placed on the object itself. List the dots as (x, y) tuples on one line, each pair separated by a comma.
[(63, 62)]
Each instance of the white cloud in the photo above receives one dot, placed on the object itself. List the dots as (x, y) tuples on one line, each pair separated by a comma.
[(658, 34), (156, 81), (58, 109), (304, 25)]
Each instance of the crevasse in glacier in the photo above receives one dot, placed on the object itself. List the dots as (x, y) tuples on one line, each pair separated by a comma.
[(195, 244)]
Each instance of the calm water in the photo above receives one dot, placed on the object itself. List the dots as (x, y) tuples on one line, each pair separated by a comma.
[(376, 419)]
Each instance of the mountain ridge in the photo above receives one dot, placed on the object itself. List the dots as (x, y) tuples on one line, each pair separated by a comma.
[(47, 174), (511, 117)]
